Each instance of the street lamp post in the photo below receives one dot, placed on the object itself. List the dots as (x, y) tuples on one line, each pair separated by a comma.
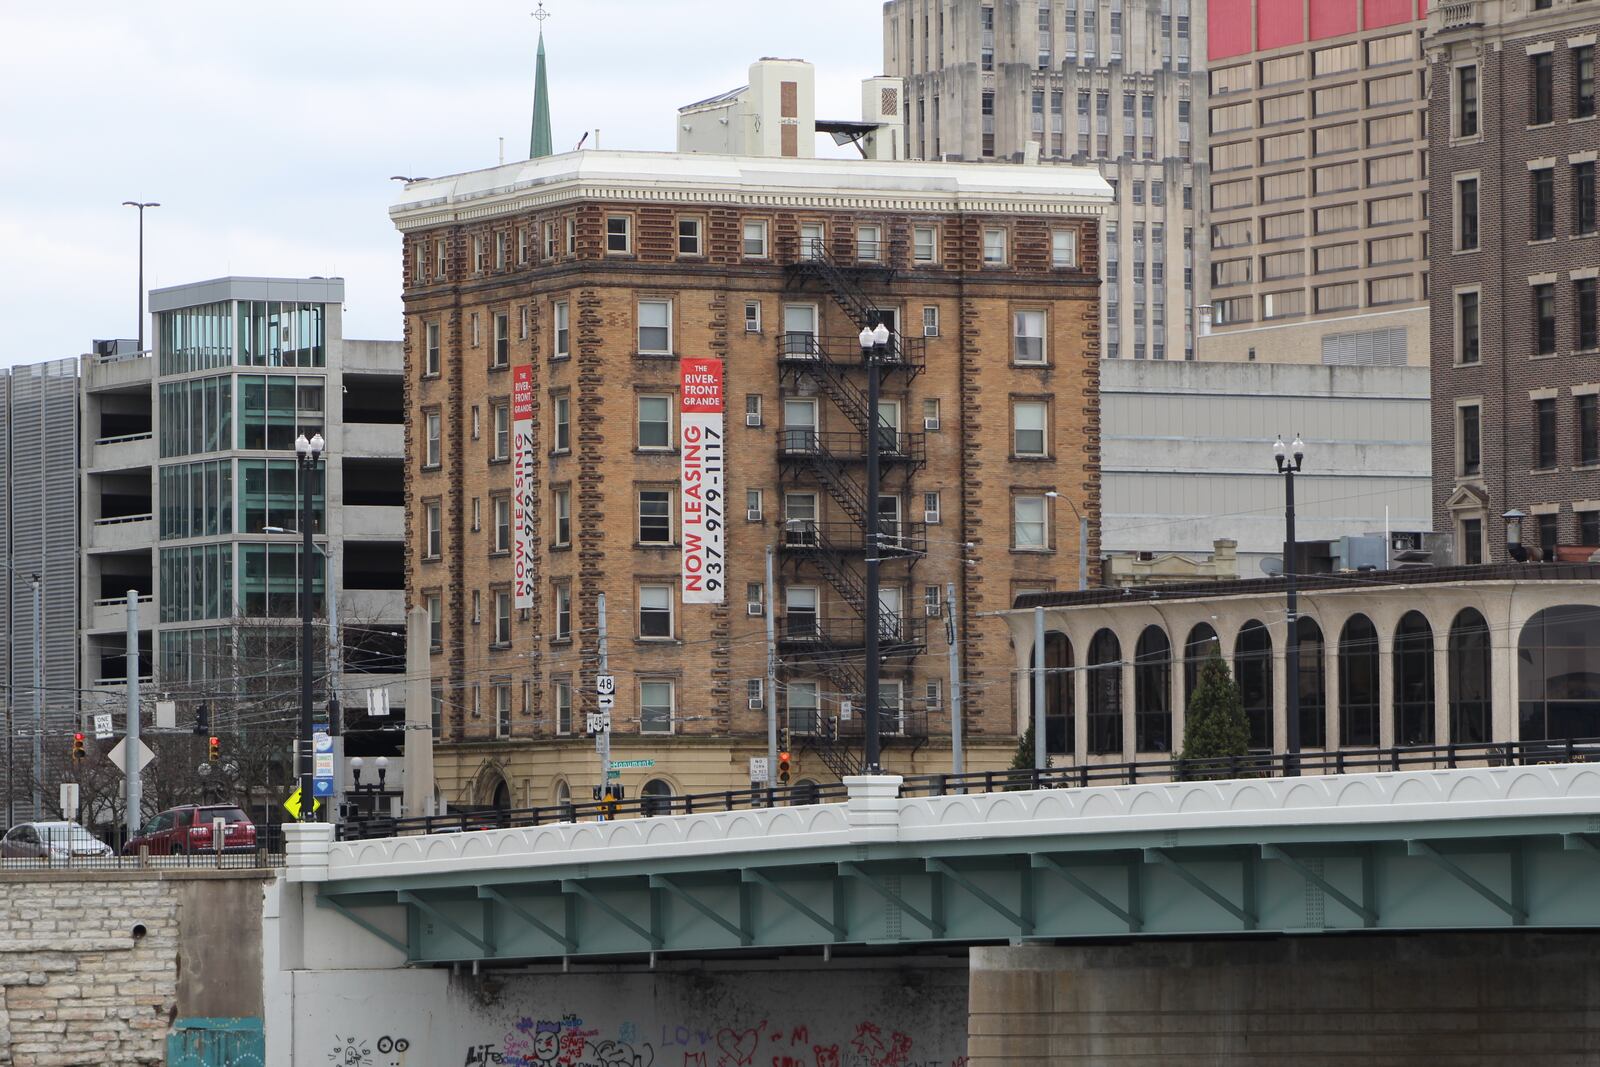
[(1288, 466), (141, 205), (309, 453), (874, 345), (1083, 537)]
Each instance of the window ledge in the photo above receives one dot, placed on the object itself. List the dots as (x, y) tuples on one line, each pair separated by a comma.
[(1475, 363), (554, 452), (1032, 459), (1541, 240), (432, 559), (1466, 251), (432, 466), (656, 641), (499, 552), (656, 544), (560, 357), (1033, 551), (496, 368), (653, 451), (1545, 470), (567, 547), (655, 355), (561, 640), (499, 646), (500, 462)]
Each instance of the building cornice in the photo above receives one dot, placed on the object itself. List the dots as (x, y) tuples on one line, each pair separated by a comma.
[(777, 183)]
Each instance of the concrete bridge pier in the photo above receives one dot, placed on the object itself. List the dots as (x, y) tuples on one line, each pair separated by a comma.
[(1485, 999)]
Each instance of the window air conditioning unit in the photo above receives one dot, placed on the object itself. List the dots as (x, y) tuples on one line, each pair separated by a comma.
[(933, 609), (752, 515), (754, 608), (752, 418), (930, 422), (756, 703), (930, 517)]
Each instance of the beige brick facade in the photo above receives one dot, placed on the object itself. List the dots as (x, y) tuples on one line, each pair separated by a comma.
[(513, 257)]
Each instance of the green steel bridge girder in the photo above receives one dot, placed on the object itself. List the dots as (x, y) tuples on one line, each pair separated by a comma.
[(1537, 871)]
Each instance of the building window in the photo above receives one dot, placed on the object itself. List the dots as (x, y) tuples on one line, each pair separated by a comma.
[(1544, 318), (1549, 525), (1541, 89), (1544, 434), (1413, 681), (930, 414), (1152, 691), (932, 509), (1027, 336), (1472, 541), (1543, 200), (618, 236), (1028, 428), (560, 322), (1468, 436), (869, 244), (924, 241), (502, 340), (1467, 326), (1063, 249), (1469, 662), (755, 239), (435, 528), (1586, 314), (813, 241), (1252, 658), (502, 621), (571, 235), (549, 240), (1583, 82), (656, 706), (563, 611), (1589, 529), (655, 422), (561, 424), (994, 248), (655, 517), (436, 709), (562, 506), (501, 445), (1583, 198), (431, 364), (688, 237), (655, 327), (502, 522), (435, 621), (499, 251), (563, 703), (753, 509), (1358, 684), (1105, 693), (480, 255), (930, 321), (752, 409), (1588, 430), (1467, 215), (1029, 531), (432, 422), (655, 611)]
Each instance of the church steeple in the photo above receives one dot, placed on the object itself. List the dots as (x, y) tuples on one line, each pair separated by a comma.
[(539, 140)]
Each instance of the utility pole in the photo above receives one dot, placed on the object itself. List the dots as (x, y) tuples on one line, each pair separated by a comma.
[(772, 676), (38, 698), (602, 742), (1040, 756), (958, 764), (133, 795)]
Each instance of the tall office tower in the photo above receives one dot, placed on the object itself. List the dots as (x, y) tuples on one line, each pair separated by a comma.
[(1085, 81), (38, 539), (635, 374), (1516, 316), (192, 496), (1319, 182)]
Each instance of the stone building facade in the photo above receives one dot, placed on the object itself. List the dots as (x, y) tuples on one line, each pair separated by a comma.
[(1118, 87), (1516, 315), (591, 277)]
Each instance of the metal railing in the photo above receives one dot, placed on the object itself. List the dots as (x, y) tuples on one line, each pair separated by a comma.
[(53, 847), (126, 438), (898, 634), (912, 722), (118, 520)]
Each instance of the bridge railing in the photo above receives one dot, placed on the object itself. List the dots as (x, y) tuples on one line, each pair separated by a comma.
[(1254, 765)]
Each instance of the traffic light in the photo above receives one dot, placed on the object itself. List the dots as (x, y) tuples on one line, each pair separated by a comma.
[(214, 749), (77, 748), (783, 768), (202, 719)]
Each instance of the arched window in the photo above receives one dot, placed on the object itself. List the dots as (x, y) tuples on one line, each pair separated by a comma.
[(502, 796), (1252, 667), (1313, 686), (1196, 650), (1469, 679), (1358, 683), (655, 798), (1558, 679), (1152, 691), (1413, 680), (563, 793), (1105, 693), (1058, 694)]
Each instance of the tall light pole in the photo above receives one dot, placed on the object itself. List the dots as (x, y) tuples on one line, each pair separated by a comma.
[(309, 452), (1083, 537), (141, 205), (1288, 466), (874, 345)]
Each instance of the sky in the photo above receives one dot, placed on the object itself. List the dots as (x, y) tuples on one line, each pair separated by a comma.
[(268, 132)]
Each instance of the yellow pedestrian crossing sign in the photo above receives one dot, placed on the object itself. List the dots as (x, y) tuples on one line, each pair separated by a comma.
[(292, 805)]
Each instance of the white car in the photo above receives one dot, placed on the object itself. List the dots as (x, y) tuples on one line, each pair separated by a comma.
[(51, 841)]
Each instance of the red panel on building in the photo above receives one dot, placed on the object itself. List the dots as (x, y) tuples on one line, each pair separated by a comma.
[(1279, 23), (1332, 18), (1379, 13), (1227, 28)]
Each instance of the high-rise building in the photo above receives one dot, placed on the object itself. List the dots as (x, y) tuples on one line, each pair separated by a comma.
[(38, 539), (633, 375), (1091, 82), (192, 496), (1318, 227), (1516, 315)]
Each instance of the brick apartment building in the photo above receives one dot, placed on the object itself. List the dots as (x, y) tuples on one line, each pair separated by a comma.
[(1516, 325), (594, 279)]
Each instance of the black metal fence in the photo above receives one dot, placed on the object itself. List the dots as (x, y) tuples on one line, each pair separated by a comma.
[(1263, 765), (57, 847)]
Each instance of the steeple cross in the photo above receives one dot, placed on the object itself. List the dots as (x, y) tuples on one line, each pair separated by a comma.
[(541, 14)]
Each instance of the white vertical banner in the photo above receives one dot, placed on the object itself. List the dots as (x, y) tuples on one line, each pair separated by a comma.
[(523, 506), (702, 512)]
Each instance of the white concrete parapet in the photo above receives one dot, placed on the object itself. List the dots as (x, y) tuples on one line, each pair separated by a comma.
[(874, 806), (306, 850)]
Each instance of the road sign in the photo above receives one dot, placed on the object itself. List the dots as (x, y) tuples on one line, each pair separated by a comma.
[(598, 722), (605, 701), (166, 714), (631, 763), (605, 684), (378, 702), (846, 709), (119, 756), (69, 800), (613, 773), (759, 768), (102, 726), (292, 805)]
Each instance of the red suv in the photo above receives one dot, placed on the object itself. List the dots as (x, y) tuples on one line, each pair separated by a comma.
[(188, 829)]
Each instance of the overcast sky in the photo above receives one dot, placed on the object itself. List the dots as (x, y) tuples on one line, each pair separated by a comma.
[(268, 131)]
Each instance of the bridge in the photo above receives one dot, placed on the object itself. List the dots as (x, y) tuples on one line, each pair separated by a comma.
[(1481, 848)]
